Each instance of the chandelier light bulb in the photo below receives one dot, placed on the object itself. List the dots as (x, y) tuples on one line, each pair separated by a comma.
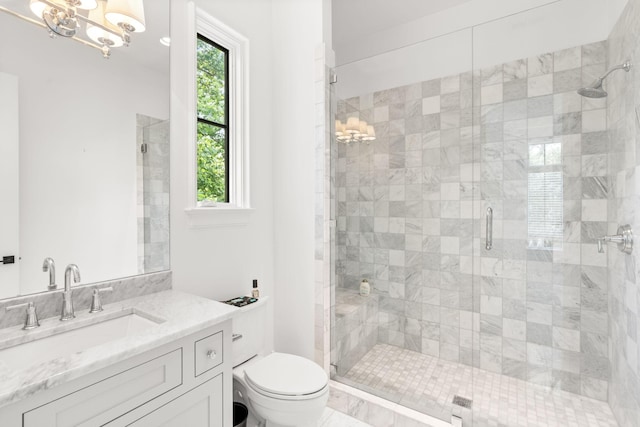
[(108, 23), (126, 14), (37, 7), (354, 130), (371, 134), (363, 129), (353, 125), (99, 35)]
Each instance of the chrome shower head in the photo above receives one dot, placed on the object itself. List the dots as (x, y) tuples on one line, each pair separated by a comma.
[(595, 90)]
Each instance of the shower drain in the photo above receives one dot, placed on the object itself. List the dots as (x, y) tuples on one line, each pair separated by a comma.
[(462, 401)]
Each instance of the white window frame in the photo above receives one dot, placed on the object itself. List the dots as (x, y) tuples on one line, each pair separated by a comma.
[(234, 212)]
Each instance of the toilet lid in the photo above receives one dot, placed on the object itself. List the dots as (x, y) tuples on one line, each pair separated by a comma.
[(286, 374)]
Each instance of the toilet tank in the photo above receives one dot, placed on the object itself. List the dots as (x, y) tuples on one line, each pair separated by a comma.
[(249, 329)]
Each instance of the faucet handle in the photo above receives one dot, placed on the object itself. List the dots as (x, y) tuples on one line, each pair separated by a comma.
[(624, 240), (96, 302), (31, 321)]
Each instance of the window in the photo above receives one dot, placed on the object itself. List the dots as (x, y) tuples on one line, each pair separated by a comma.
[(545, 195), (217, 124), (212, 154)]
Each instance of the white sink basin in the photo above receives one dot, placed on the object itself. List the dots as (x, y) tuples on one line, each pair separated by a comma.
[(65, 343)]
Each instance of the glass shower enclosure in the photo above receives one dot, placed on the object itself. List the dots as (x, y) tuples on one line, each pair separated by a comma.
[(475, 216)]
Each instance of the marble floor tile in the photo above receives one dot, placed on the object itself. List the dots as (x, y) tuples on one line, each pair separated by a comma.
[(333, 418), (428, 384)]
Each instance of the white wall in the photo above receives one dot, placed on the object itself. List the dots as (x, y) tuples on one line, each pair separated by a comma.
[(221, 262), (551, 28), (442, 56), (297, 31), (444, 43), (77, 153), (9, 176), (467, 15), (276, 245)]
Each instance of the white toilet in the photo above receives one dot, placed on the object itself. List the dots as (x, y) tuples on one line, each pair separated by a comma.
[(281, 389)]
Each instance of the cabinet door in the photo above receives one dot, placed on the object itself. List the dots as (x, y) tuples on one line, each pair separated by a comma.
[(110, 398), (200, 407)]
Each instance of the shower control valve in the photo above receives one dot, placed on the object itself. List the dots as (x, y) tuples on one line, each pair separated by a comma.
[(624, 240)]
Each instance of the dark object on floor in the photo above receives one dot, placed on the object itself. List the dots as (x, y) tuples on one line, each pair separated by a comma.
[(240, 414)]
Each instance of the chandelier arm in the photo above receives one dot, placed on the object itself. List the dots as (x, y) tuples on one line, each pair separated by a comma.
[(24, 18), (56, 5), (42, 25), (102, 27), (86, 43)]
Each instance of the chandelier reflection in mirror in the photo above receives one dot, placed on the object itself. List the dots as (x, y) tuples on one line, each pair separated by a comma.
[(354, 130), (107, 23)]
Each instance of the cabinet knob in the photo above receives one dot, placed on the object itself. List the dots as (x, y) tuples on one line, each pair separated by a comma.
[(211, 354)]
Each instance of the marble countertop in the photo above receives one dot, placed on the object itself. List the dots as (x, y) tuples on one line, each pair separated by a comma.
[(180, 314)]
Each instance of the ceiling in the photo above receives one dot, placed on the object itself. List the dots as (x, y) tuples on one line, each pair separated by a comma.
[(354, 19)]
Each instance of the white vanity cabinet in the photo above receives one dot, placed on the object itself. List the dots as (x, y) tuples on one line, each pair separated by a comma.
[(201, 406), (180, 384)]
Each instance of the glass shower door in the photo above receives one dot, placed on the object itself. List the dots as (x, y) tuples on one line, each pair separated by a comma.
[(475, 215), (541, 286), (404, 222)]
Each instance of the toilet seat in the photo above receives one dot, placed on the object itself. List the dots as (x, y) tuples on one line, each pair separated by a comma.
[(287, 377)]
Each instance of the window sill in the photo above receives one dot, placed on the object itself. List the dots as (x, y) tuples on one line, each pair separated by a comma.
[(218, 216)]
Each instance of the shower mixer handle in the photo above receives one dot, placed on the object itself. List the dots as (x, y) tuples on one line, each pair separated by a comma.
[(624, 240)]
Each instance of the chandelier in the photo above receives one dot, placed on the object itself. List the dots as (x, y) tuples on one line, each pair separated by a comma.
[(108, 23), (355, 130)]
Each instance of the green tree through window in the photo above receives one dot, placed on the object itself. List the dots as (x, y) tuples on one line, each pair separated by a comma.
[(213, 121)]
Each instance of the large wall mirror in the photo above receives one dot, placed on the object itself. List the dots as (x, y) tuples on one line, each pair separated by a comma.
[(84, 153)]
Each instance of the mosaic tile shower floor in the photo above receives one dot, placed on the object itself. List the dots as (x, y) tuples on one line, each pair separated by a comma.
[(412, 379)]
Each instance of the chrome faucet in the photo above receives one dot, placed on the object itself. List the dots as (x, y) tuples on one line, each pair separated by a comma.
[(50, 266), (67, 300)]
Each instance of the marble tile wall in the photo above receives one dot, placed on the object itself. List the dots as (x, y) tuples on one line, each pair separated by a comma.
[(410, 218), (141, 122), (355, 328), (542, 302), (48, 304), (153, 194), (623, 174)]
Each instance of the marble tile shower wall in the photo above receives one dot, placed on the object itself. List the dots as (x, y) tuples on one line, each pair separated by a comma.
[(410, 218), (153, 194), (355, 328), (624, 292)]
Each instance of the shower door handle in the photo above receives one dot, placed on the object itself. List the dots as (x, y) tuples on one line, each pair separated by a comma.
[(489, 241)]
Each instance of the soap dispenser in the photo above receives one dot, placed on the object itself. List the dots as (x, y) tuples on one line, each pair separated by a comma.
[(255, 293), (365, 288)]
